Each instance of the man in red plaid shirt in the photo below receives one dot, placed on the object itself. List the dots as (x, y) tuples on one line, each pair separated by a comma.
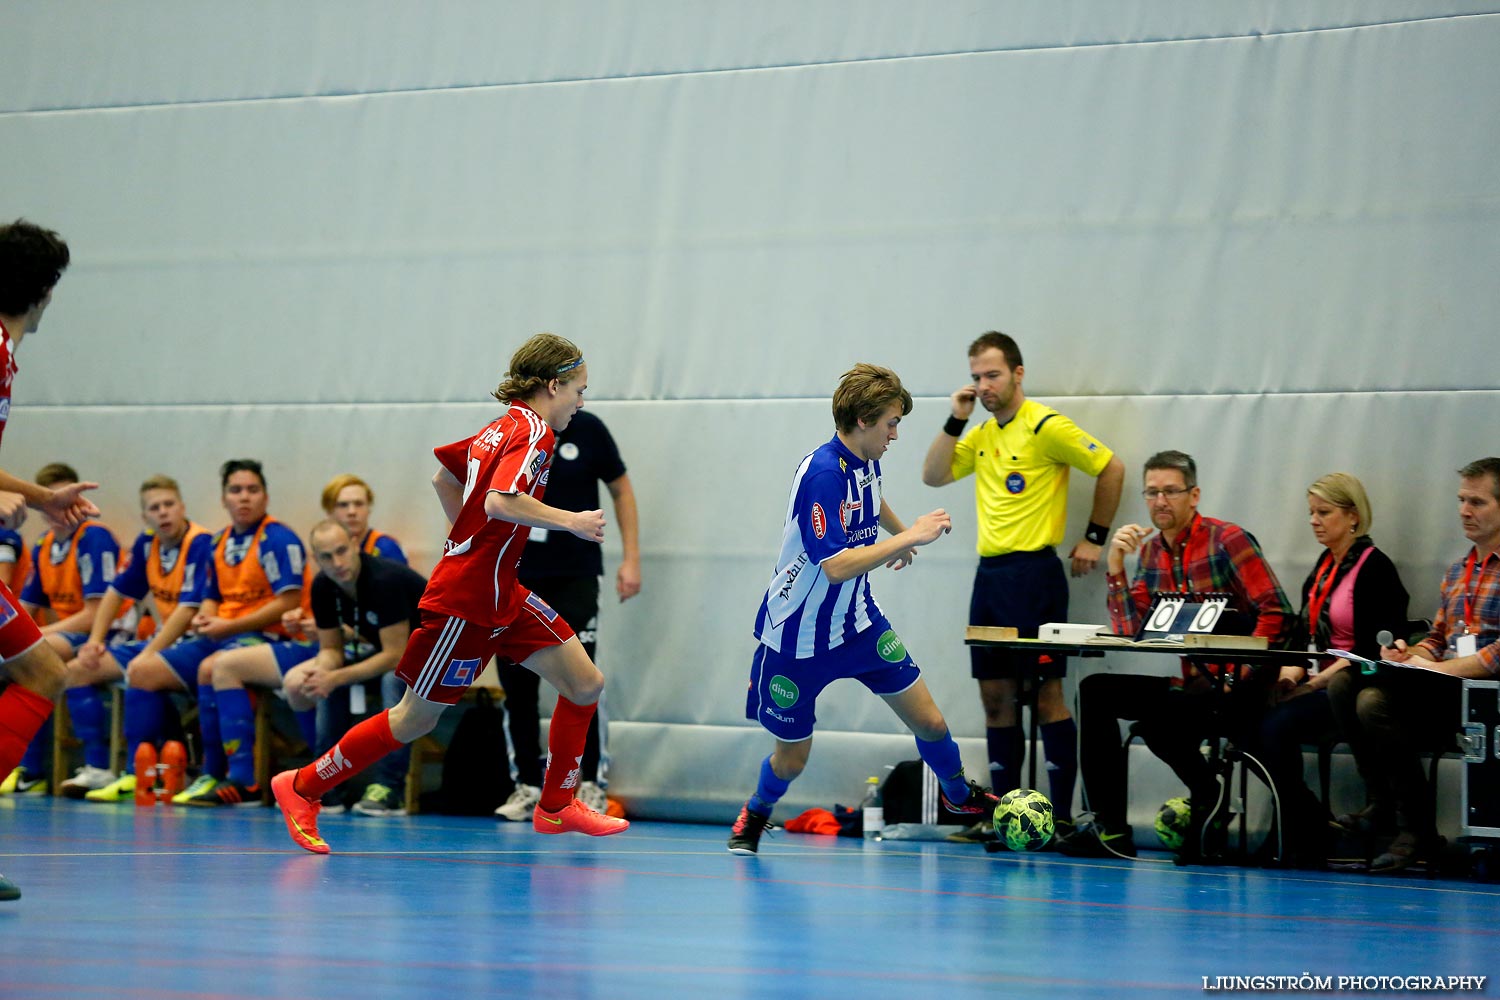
[(1189, 553), (1392, 715)]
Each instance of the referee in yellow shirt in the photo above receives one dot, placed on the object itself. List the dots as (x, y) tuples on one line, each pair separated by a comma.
[(1020, 458)]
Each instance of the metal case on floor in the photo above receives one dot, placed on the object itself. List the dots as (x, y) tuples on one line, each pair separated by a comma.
[(1479, 739)]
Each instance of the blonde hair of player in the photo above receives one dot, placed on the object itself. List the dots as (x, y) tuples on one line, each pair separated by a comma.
[(336, 486)]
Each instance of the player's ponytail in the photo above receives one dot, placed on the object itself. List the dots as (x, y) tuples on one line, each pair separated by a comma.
[(538, 361)]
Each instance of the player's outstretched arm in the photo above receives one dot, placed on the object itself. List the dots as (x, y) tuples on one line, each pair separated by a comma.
[(523, 508), (64, 505), (67, 505), (850, 563), (12, 514)]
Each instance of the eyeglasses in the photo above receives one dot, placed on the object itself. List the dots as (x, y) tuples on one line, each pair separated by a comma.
[(1171, 493)]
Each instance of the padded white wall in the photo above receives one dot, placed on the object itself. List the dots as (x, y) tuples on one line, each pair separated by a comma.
[(1262, 233)]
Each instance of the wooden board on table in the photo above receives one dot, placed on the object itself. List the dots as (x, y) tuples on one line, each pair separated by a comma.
[(991, 633)]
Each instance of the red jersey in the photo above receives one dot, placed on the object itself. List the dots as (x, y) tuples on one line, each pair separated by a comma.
[(7, 376), (476, 578)]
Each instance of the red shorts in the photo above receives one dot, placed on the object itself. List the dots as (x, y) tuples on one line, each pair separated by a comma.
[(18, 632), (446, 655)]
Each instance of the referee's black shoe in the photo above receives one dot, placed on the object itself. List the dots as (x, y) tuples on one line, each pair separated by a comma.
[(8, 889)]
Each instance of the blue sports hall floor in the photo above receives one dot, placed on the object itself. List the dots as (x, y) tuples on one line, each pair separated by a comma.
[(181, 904)]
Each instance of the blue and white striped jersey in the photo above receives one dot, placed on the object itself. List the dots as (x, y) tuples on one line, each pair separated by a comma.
[(835, 505)]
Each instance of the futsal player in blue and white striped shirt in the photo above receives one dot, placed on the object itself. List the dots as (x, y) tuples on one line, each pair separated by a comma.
[(819, 621)]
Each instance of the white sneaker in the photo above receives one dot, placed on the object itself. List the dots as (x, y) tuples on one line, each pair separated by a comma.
[(591, 795), (522, 801), (85, 780)]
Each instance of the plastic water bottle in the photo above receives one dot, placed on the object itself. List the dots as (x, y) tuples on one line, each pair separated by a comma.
[(873, 808)]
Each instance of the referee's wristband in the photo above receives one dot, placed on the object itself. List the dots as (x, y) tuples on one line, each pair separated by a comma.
[(1096, 533), (954, 427)]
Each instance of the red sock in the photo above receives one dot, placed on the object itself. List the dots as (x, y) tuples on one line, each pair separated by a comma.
[(361, 746), (565, 739), (22, 713)]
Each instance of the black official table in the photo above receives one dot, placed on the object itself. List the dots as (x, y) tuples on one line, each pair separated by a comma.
[(1245, 648), (1195, 648)]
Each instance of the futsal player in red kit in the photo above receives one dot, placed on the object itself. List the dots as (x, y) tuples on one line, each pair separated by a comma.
[(32, 259), (490, 486)]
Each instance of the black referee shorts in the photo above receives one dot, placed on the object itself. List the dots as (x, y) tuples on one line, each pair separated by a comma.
[(1022, 590)]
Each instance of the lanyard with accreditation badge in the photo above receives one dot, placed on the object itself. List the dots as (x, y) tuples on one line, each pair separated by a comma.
[(1317, 597), (1468, 642)]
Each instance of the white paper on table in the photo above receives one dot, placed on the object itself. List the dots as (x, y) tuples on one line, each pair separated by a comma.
[(1356, 658)]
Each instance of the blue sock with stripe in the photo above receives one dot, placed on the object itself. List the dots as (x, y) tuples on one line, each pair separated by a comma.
[(145, 719), (90, 724), (237, 723), (948, 764), (769, 791), (214, 764), (1007, 750)]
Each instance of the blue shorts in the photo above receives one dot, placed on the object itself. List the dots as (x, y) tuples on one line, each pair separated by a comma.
[(126, 650), (73, 639), (784, 690), (291, 652), (77, 639), (1024, 590), (186, 655)]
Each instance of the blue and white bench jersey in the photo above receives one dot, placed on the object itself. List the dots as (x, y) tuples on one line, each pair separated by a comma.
[(835, 505)]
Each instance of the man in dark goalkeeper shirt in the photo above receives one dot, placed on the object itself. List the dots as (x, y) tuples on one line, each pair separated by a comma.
[(365, 608)]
